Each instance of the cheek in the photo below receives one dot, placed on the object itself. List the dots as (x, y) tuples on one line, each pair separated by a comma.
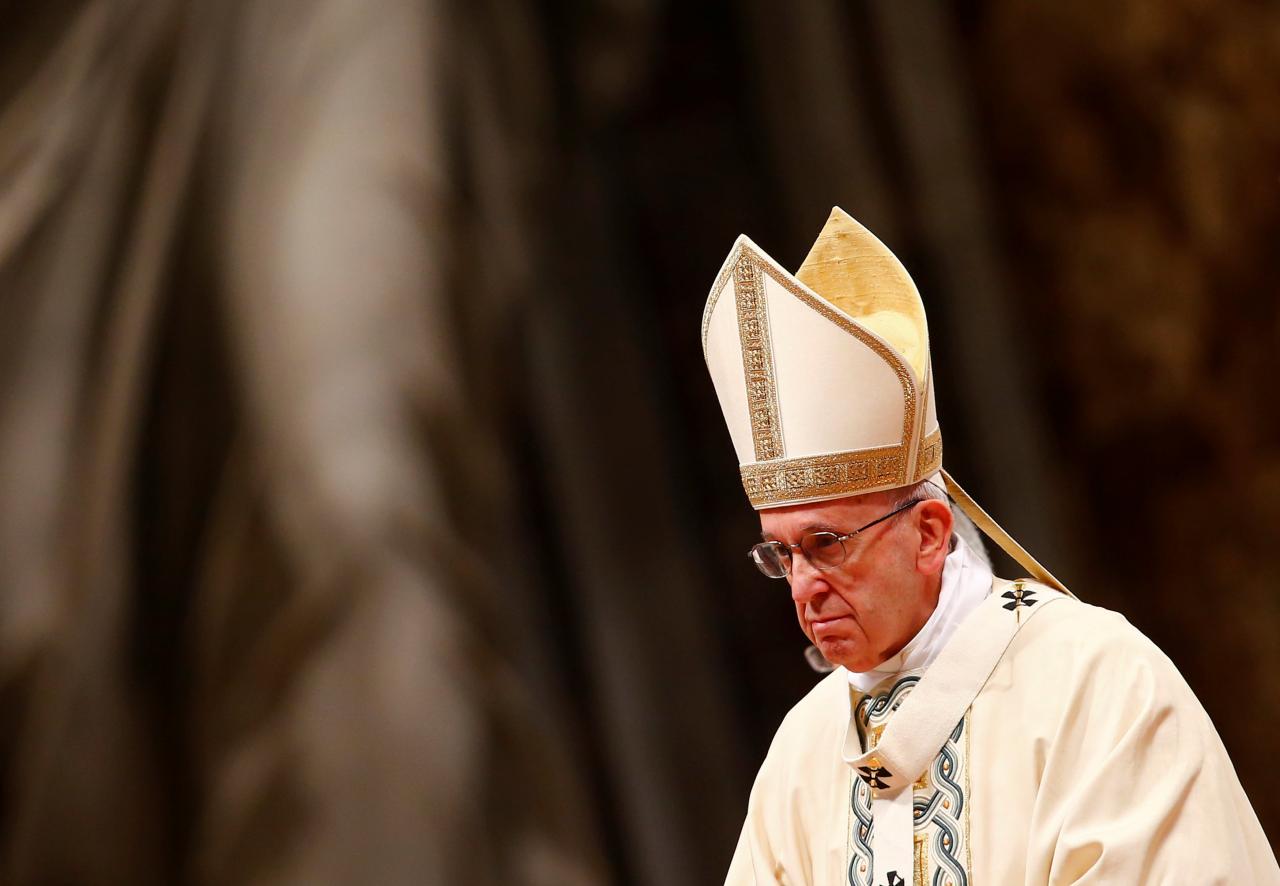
[(804, 624), (875, 608)]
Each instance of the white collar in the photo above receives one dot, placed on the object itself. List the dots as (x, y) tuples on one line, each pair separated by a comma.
[(966, 581)]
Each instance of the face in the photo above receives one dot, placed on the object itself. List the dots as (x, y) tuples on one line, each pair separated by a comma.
[(865, 610)]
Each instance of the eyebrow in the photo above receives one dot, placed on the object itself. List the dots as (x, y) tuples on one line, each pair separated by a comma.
[(805, 530)]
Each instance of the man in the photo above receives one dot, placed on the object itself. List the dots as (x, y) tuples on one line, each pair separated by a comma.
[(974, 730)]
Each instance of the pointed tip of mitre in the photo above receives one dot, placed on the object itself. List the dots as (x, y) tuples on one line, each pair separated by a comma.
[(849, 267)]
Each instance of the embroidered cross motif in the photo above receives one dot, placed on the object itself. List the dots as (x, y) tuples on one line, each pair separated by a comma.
[(875, 775), (1018, 598), (894, 879)]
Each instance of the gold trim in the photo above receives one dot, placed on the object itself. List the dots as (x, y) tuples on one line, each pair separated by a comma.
[(840, 473), (930, 455), (921, 841), (850, 789), (757, 359), (968, 791)]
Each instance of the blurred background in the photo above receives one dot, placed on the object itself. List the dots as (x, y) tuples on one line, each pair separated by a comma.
[(366, 512)]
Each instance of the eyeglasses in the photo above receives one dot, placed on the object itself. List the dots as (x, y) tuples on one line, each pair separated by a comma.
[(824, 550)]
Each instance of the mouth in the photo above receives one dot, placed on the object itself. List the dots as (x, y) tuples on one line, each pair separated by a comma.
[(820, 625)]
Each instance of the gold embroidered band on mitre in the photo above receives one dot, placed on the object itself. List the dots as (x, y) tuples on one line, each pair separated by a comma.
[(757, 360), (786, 480)]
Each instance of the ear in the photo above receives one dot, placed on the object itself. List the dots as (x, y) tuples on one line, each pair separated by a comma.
[(934, 521)]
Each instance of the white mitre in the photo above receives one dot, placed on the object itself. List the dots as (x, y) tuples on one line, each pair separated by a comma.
[(824, 377)]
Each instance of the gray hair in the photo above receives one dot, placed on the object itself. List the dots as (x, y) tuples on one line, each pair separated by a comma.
[(922, 491), (964, 527)]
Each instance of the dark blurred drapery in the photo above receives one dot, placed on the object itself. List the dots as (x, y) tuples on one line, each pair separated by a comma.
[(365, 513), (259, 545)]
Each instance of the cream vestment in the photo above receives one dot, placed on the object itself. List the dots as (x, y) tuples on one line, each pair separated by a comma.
[(1082, 758)]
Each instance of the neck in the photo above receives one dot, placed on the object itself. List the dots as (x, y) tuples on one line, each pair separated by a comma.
[(963, 584), (928, 597)]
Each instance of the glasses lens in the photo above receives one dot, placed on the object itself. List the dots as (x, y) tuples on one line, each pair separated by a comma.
[(772, 558), (824, 549)]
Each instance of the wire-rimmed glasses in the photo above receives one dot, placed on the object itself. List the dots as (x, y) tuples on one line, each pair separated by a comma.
[(824, 550)]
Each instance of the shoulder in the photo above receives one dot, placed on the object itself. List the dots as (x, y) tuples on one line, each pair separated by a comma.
[(1075, 649), (804, 763), (825, 704), (818, 719), (1073, 629)]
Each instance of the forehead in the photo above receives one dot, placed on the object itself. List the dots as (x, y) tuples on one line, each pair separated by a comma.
[(837, 515)]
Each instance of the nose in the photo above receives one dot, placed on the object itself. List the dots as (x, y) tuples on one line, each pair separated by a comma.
[(807, 581)]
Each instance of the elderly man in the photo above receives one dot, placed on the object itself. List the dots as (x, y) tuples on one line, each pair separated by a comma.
[(974, 730)]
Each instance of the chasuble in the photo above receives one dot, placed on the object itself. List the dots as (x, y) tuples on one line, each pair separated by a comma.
[(1081, 756)]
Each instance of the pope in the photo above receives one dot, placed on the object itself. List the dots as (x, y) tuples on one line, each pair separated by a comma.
[(973, 729)]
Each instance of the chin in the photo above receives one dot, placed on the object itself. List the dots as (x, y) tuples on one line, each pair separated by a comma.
[(845, 654)]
